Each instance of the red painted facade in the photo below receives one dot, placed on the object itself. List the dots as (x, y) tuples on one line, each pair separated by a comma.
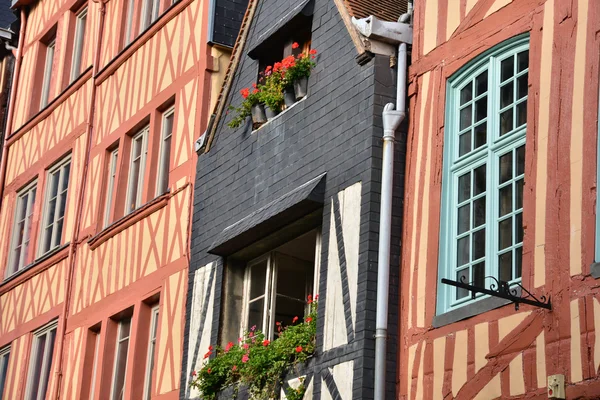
[(114, 258), (503, 353)]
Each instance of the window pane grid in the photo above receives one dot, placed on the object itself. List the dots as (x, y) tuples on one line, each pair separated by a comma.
[(484, 233), (137, 168), (80, 27), (112, 174), (22, 229)]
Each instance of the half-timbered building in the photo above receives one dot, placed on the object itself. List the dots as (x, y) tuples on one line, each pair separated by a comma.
[(501, 202), (96, 189)]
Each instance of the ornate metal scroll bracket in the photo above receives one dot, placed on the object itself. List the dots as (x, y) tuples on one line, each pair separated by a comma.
[(503, 290)]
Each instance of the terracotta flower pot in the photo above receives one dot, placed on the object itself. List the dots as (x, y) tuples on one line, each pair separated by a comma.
[(289, 97), (301, 87), (258, 114)]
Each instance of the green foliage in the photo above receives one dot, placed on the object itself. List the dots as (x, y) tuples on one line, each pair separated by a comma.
[(273, 80), (251, 98), (256, 362), (297, 393)]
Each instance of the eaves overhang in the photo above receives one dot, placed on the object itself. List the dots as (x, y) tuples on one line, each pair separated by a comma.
[(279, 213)]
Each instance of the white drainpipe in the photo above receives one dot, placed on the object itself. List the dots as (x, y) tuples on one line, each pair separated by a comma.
[(391, 121), (396, 33)]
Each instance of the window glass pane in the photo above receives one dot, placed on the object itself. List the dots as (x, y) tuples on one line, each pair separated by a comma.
[(78, 45), (479, 244), (522, 61), (47, 75), (506, 121), (519, 228), (258, 277), (466, 94), (506, 95), (506, 167), (462, 276), (480, 180), (519, 194), (518, 262), (466, 117), (479, 212), (522, 113), (520, 160), (151, 349), (291, 279), (465, 144), (505, 233), (522, 86), (505, 266), (480, 135), (463, 251), (481, 83), (506, 69), (255, 314), (165, 154), (287, 309), (481, 109), (464, 187), (464, 218), (479, 274)]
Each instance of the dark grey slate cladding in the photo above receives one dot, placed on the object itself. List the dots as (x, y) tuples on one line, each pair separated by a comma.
[(227, 18), (336, 130)]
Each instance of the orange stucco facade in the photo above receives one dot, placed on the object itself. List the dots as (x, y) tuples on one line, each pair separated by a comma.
[(113, 260)]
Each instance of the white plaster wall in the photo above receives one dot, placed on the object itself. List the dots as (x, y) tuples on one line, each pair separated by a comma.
[(335, 322), (343, 375), (201, 286)]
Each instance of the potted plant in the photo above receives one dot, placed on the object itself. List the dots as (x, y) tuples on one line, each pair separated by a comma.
[(299, 72), (271, 92), (251, 106), (258, 363)]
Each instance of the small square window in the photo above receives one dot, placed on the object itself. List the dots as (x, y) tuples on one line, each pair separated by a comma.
[(40, 362), (55, 203)]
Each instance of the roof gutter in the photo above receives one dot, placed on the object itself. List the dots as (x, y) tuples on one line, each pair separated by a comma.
[(400, 34)]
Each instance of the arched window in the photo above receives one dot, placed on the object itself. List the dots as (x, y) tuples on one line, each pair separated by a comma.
[(481, 231)]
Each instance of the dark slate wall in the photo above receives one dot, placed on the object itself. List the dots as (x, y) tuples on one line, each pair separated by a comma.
[(337, 129), (227, 18)]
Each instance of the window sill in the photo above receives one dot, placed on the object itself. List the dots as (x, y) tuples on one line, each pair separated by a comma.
[(140, 40), (130, 219), (53, 105), (280, 114), (471, 310), (36, 267)]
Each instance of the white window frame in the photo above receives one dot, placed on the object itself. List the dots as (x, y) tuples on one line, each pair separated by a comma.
[(134, 194), (113, 388), (151, 352), (270, 296), (129, 22), (456, 165), (46, 362), (55, 235), (4, 360), (29, 191), (112, 176), (162, 183), (79, 40), (50, 49)]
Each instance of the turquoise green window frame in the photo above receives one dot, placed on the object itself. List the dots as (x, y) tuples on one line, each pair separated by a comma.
[(455, 165)]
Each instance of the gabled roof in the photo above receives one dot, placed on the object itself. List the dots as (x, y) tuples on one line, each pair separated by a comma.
[(384, 9)]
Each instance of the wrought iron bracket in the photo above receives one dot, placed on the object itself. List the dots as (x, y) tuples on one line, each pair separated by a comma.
[(503, 290)]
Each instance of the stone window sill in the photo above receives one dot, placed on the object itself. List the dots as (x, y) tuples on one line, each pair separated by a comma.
[(471, 310), (280, 114)]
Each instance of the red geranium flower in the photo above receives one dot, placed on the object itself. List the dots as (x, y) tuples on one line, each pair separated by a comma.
[(193, 373), (229, 346), (313, 52), (245, 92), (245, 346), (277, 67), (208, 371), (234, 368), (295, 319), (266, 342), (298, 349), (316, 297), (207, 354), (295, 45), (308, 319), (245, 358)]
